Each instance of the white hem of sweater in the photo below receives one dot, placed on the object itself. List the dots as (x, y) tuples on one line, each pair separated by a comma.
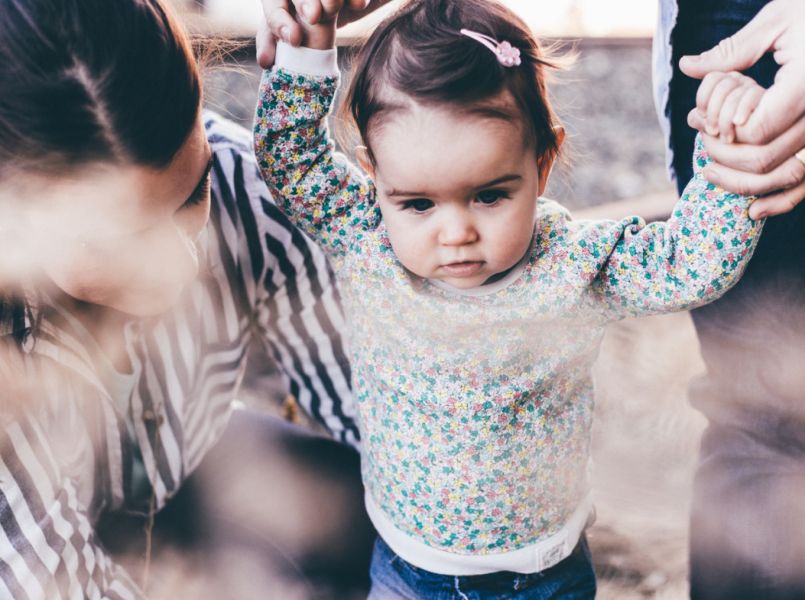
[(531, 559), (318, 63)]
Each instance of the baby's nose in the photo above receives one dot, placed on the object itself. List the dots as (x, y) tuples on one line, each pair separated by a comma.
[(457, 230)]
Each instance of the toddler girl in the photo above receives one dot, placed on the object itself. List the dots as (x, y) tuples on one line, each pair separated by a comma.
[(475, 307)]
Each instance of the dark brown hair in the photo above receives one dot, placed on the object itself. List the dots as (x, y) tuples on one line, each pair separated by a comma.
[(419, 52), (93, 80), (90, 80)]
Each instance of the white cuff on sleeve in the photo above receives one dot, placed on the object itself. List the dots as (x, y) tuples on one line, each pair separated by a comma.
[(321, 63)]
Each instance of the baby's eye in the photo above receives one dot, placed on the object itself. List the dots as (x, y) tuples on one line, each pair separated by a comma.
[(418, 205), (490, 197)]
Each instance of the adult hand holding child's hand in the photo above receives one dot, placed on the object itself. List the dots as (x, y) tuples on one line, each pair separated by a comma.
[(761, 156), (281, 22)]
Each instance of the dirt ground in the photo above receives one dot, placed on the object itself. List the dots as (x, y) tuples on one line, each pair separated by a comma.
[(645, 443)]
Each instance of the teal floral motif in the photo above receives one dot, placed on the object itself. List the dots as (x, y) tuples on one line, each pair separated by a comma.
[(476, 410)]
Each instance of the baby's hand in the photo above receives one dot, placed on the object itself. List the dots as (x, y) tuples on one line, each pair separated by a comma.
[(724, 101)]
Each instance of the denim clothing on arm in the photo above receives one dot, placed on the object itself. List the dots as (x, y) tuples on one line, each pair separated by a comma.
[(748, 516), (93, 439), (395, 579)]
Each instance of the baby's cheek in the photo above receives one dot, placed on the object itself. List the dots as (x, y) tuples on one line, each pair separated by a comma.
[(411, 250)]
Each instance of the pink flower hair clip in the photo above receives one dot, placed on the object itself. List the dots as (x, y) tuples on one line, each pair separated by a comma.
[(507, 55)]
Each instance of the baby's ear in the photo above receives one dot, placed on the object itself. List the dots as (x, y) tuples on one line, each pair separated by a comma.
[(546, 161), (364, 160)]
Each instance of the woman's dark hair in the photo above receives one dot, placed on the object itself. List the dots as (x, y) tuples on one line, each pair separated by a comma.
[(91, 80), (419, 53)]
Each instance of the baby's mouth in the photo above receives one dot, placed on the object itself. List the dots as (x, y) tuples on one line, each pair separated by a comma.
[(466, 268)]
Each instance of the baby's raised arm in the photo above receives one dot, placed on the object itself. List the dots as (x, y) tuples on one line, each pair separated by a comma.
[(315, 186)]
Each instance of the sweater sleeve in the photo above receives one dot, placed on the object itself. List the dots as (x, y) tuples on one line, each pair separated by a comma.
[(318, 189), (283, 283), (689, 260), (48, 547)]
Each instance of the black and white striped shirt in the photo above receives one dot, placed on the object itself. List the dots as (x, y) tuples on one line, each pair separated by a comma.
[(77, 449)]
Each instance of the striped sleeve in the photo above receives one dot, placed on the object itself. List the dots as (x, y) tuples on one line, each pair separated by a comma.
[(47, 544), (289, 285)]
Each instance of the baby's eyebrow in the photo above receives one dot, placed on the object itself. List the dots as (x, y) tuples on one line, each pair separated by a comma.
[(499, 180), (392, 193)]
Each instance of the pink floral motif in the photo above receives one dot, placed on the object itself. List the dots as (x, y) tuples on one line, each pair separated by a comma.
[(508, 55)]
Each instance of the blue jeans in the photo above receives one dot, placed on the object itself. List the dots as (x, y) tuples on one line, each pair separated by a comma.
[(748, 514), (395, 579)]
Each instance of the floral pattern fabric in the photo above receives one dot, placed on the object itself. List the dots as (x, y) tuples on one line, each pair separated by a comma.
[(476, 410)]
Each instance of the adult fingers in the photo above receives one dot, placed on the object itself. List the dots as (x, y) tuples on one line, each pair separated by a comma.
[(356, 9), (781, 106), (788, 175), (279, 25), (777, 204), (266, 45), (309, 9), (754, 158), (742, 50)]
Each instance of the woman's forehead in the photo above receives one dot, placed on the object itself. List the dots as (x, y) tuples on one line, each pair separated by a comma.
[(121, 199)]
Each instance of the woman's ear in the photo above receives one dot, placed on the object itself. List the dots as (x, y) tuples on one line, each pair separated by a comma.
[(546, 161), (364, 160)]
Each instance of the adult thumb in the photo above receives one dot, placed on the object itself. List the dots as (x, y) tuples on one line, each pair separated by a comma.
[(741, 50)]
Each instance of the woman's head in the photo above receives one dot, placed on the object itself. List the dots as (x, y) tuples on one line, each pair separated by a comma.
[(101, 147), (459, 144)]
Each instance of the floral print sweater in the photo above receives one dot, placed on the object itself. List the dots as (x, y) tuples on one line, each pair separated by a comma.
[(475, 409)]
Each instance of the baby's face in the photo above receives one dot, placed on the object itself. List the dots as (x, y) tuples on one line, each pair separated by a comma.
[(457, 192)]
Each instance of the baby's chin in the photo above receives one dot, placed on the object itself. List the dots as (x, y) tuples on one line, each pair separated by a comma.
[(464, 283)]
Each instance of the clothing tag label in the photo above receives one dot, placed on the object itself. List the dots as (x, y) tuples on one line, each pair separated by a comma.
[(553, 554)]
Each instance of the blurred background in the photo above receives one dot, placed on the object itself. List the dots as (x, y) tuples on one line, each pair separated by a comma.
[(646, 436)]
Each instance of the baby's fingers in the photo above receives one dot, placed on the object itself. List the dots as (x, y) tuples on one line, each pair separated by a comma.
[(744, 98), (718, 96), (747, 105), (726, 128), (706, 88)]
